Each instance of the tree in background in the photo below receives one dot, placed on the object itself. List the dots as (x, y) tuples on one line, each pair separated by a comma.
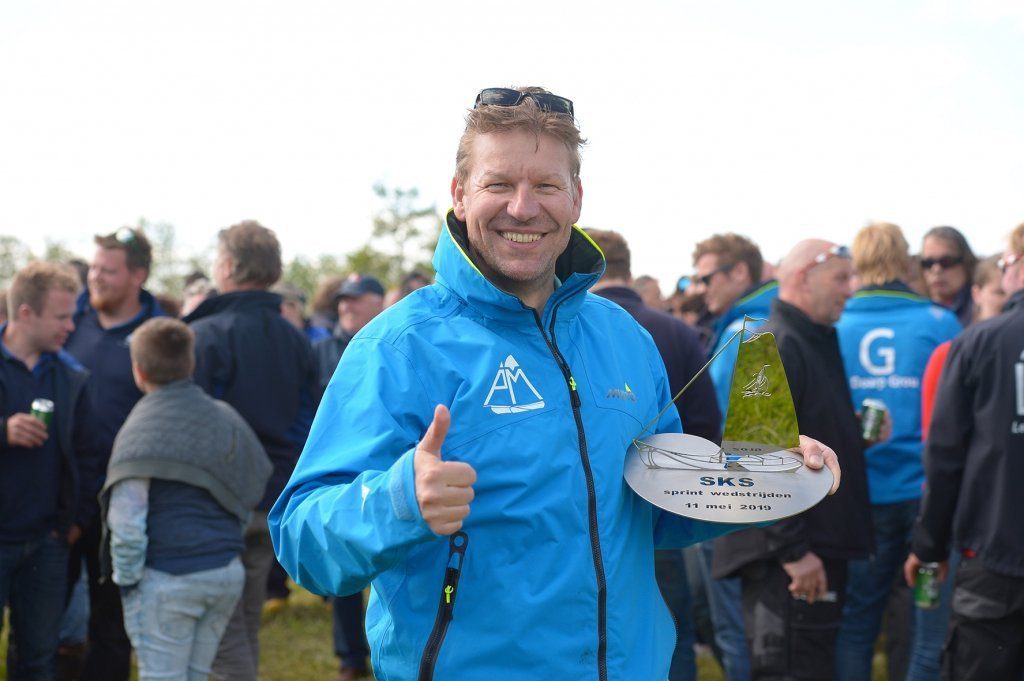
[(402, 239)]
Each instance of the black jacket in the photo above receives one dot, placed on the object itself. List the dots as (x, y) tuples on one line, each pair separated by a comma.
[(683, 352), (840, 526), (80, 456), (974, 457), (250, 357)]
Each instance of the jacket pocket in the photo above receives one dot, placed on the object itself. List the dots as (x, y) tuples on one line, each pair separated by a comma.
[(449, 589)]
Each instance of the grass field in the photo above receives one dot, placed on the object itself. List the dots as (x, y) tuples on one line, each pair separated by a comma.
[(296, 645)]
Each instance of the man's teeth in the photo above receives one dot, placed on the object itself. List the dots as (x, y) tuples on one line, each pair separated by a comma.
[(521, 238)]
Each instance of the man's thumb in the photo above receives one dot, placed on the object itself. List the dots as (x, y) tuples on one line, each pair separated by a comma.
[(438, 430)]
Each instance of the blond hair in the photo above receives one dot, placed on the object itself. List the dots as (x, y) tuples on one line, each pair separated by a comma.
[(881, 254), (1017, 240), (33, 283), (526, 116)]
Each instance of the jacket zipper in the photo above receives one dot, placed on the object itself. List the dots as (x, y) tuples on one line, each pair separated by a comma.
[(457, 544), (595, 539)]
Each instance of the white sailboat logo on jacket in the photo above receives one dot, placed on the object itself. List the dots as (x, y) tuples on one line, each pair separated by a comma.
[(502, 398)]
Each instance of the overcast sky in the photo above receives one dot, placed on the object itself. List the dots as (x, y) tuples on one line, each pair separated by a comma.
[(777, 120)]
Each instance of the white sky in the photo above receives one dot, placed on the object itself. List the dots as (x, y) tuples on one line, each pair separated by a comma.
[(778, 120)]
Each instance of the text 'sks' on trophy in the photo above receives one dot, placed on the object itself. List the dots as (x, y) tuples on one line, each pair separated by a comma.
[(753, 476)]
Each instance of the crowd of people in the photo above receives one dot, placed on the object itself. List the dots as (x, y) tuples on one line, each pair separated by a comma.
[(462, 442)]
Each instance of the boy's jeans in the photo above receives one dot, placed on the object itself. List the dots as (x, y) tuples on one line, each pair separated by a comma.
[(175, 621)]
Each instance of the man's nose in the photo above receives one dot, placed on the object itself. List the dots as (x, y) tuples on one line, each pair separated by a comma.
[(523, 206)]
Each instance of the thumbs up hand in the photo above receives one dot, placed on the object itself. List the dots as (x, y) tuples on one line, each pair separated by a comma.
[(443, 488)]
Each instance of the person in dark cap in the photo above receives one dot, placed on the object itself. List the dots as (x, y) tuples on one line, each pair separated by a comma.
[(360, 298)]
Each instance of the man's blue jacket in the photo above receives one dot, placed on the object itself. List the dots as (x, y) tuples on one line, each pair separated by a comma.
[(552, 576), (886, 335), (756, 303)]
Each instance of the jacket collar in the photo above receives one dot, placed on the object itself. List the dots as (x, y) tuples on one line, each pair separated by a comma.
[(795, 318), (238, 301), (577, 268), (1015, 302), (150, 308), (755, 302)]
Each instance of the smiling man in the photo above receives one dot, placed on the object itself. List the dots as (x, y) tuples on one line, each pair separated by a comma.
[(507, 388)]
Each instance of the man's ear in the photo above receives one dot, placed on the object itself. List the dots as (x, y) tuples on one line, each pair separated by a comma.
[(577, 197), (138, 275), (740, 270), (458, 199), (139, 375)]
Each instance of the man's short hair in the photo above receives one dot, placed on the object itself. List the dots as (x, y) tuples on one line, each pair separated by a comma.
[(255, 253), (732, 248), (33, 282), (616, 253), (952, 236), (1016, 241), (137, 249), (881, 254), (524, 116), (164, 349)]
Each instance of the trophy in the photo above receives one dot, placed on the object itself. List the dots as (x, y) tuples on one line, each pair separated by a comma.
[(755, 475)]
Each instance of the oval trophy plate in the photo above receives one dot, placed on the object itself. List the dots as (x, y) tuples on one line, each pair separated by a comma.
[(689, 476)]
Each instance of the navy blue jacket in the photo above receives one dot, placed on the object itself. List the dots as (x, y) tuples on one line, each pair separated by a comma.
[(250, 357), (76, 445), (111, 387), (683, 352)]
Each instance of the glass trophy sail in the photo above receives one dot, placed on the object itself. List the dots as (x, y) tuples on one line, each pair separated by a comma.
[(752, 476)]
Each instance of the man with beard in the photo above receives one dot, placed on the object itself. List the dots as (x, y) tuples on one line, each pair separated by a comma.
[(114, 305)]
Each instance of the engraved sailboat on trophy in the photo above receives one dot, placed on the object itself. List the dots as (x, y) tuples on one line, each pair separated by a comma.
[(760, 423), (755, 460)]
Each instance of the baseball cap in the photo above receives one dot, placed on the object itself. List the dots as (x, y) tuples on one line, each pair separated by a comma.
[(357, 284)]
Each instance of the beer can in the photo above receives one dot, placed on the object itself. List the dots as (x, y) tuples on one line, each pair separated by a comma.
[(926, 588), (872, 413), (42, 409)]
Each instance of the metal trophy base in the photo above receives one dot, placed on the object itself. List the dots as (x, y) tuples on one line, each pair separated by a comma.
[(691, 477)]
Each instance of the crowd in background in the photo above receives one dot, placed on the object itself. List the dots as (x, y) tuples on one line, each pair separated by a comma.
[(105, 546)]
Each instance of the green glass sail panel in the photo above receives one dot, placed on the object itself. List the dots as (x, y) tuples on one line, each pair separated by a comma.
[(760, 403)]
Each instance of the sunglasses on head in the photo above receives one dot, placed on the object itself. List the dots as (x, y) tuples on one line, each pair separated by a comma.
[(834, 252), (945, 262), (503, 96), (1007, 262), (128, 237)]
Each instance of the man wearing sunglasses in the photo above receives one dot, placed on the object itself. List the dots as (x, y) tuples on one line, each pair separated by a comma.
[(972, 501), (794, 572), (507, 388), (948, 263)]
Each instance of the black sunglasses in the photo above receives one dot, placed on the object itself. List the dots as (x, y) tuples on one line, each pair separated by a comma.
[(945, 262), (706, 279), (503, 96)]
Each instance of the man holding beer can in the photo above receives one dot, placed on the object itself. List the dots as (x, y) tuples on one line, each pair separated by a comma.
[(887, 333), (45, 459), (973, 501)]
